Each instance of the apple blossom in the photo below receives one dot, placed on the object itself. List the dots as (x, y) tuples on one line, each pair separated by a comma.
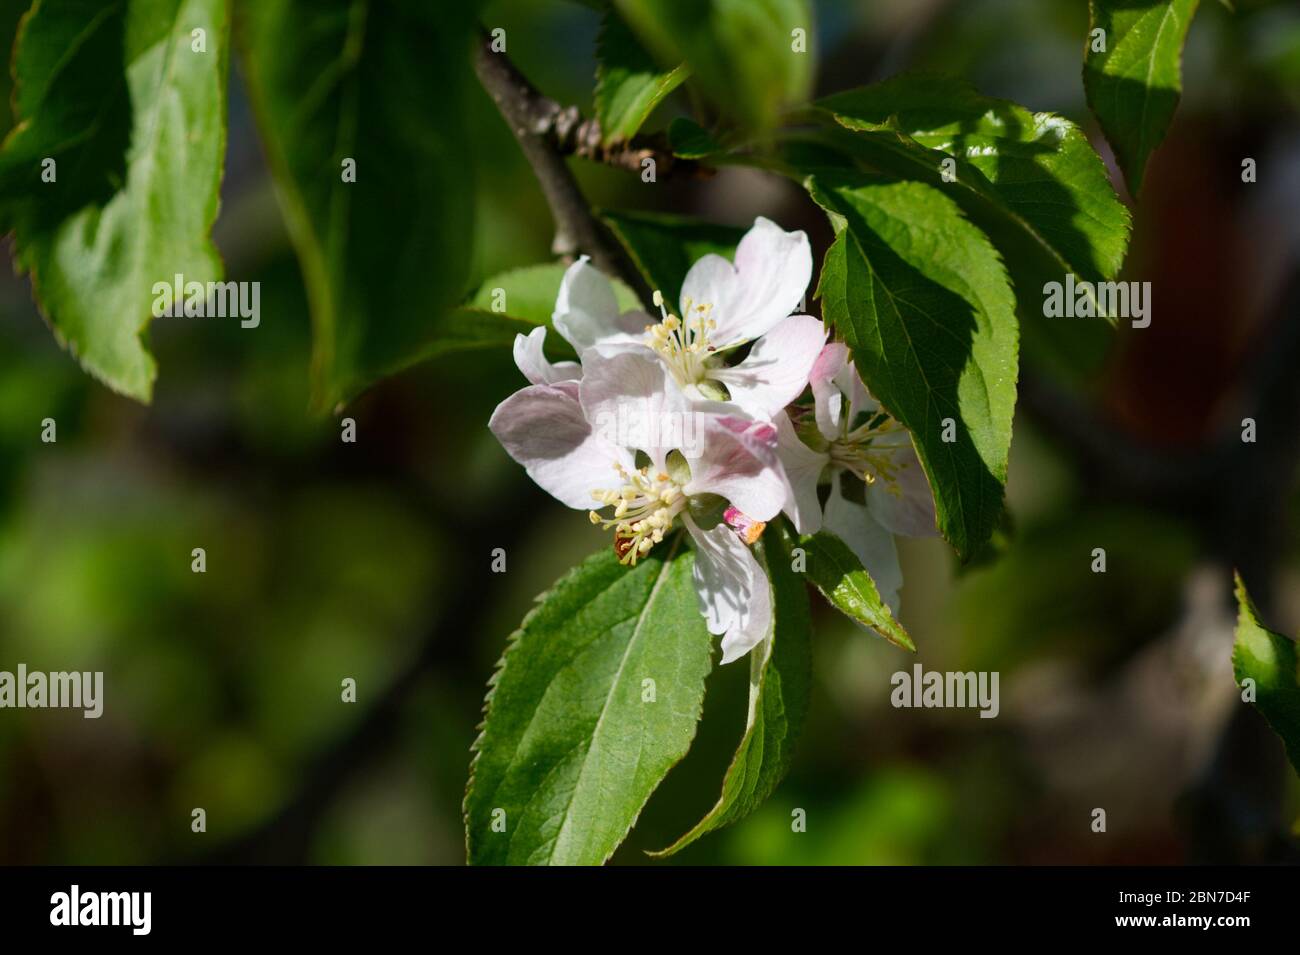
[(561, 433), (850, 443), (723, 307)]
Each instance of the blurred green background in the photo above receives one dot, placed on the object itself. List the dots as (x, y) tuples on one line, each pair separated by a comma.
[(371, 560)]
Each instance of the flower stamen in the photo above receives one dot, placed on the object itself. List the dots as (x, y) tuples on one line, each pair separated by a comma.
[(683, 343), (865, 452), (644, 510)]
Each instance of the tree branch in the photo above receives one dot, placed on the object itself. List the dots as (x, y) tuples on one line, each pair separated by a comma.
[(547, 133), (571, 135)]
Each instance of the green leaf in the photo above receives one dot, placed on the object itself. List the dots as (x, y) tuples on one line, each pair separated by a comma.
[(779, 683), (509, 304), (529, 293), (468, 329), (1032, 180), (1269, 659), (135, 120), (629, 85), (836, 571), (664, 247), (381, 84), (1134, 86), (9, 20), (923, 302), (689, 140), (569, 751), (741, 52)]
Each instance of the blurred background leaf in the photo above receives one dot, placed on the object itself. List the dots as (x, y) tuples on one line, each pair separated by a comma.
[(750, 57), (378, 85)]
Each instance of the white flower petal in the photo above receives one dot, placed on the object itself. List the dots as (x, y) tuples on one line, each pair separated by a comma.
[(767, 282), (734, 594), (827, 394), (873, 544), (776, 369), (905, 506), (803, 467), (849, 381), (735, 458), (543, 428), (632, 401), (530, 358), (587, 312)]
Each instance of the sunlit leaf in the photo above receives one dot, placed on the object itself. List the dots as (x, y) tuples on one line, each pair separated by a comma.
[(133, 113), (1133, 87), (629, 84), (922, 299), (1021, 175), (1269, 660), (595, 700), (838, 573)]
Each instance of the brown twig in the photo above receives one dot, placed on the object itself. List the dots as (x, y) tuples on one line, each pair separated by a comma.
[(571, 135), (547, 132)]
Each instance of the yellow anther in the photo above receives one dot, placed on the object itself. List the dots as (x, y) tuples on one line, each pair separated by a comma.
[(644, 509)]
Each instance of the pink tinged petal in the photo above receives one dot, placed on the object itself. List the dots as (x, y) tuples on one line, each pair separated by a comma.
[(872, 544), (736, 459), (734, 594), (632, 401), (905, 506), (569, 388), (587, 312), (776, 370), (542, 427), (530, 358), (767, 282), (803, 469), (827, 394)]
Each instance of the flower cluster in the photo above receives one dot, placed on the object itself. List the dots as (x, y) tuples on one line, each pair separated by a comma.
[(691, 419)]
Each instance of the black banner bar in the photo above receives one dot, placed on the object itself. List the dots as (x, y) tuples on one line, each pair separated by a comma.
[(334, 904)]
